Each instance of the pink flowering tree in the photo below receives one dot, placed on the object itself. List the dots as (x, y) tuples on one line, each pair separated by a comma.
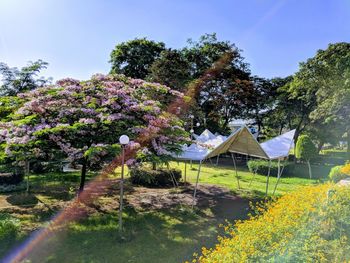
[(82, 121)]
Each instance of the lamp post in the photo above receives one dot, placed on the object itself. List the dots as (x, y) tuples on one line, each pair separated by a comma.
[(123, 140)]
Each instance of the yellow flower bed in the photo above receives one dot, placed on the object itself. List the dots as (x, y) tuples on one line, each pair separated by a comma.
[(346, 169), (309, 225)]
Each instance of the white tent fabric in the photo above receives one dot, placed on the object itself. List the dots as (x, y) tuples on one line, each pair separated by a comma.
[(279, 146), (206, 135), (194, 152), (242, 142)]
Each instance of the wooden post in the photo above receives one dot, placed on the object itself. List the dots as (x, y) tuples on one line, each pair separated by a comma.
[(185, 172)]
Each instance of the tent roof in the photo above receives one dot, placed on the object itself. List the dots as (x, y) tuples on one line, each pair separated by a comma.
[(205, 136), (242, 142), (193, 152), (279, 146)]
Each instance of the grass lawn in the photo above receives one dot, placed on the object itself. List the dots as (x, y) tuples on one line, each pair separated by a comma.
[(163, 235), (252, 187)]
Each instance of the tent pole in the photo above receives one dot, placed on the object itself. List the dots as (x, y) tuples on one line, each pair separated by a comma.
[(195, 188), (279, 176), (234, 163), (251, 180), (217, 160), (185, 171), (172, 177), (268, 176)]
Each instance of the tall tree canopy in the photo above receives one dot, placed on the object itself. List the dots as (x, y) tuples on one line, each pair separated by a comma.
[(323, 83), (83, 120), (171, 69), (16, 80), (226, 96), (135, 57)]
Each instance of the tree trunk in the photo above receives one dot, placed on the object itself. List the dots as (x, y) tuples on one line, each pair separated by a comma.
[(319, 146), (310, 171), (83, 176), (154, 166)]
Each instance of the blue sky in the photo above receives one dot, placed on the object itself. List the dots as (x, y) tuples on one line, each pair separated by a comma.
[(77, 36)]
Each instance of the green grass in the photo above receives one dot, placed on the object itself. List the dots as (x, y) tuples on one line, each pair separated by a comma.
[(168, 235), (251, 186)]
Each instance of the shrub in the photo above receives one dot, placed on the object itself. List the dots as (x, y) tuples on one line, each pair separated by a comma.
[(336, 174), (308, 225), (11, 177), (305, 148), (147, 177), (9, 227), (262, 167)]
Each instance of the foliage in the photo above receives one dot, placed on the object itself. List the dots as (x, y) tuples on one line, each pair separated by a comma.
[(305, 148), (16, 80), (336, 174), (262, 167), (299, 227), (13, 187), (326, 75), (170, 69), (10, 177), (9, 227), (82, 121), (161, 177), (224, 96), (135, 57)]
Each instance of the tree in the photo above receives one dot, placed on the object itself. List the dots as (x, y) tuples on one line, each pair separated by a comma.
[(135, 57), (322, 83), (329, 70), (305, 150), (82, 121), (170, 69), (224, 96), (204, 53), (16, 80)]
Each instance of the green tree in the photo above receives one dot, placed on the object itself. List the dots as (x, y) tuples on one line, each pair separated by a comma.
[(170, 69), (225, 95), (204, 53), (135, 57), (305, 150), (16, 80)]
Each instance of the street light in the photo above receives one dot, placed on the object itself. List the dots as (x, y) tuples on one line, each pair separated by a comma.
[(123, 140)]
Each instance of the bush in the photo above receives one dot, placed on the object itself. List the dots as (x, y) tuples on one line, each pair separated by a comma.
[(11, 176), (9, 227), (262, 167), (336, 174), (305, 149), (308, 225), (154, 178)]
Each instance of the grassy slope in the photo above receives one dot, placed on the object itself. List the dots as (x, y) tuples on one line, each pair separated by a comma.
[(162, 236)]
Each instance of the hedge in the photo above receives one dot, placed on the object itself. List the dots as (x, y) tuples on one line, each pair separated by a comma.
[(154, 178), (262, 167), (308, 225)]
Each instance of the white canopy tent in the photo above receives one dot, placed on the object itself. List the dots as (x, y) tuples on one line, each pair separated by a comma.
[(242, 141)]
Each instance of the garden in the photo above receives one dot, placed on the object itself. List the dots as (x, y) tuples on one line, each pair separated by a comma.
[(114, 168)]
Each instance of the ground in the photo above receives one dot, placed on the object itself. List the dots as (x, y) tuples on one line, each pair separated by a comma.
[(160, 224)]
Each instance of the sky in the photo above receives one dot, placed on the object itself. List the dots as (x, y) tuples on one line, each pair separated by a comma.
[(76, 37)]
